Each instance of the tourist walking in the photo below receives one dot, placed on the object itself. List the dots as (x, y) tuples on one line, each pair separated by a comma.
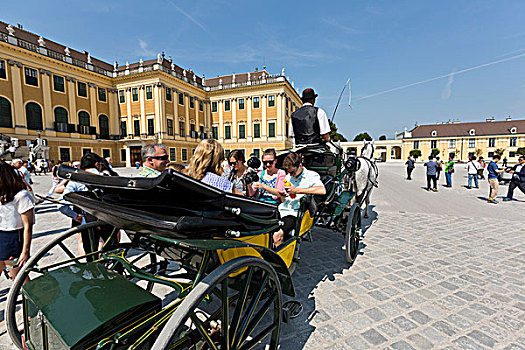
[(449, 170), (481, 168), (411, 164), (472, 171), (16, 220), (504, 162), (439, 168), (431, 173), (518, 179), (54, 178), (492, 177)]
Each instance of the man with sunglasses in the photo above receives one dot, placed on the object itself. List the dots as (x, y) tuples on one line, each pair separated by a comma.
[(303, 182), (155, 160)]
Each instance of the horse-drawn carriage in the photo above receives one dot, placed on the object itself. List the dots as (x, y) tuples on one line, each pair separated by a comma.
[(195, 270)]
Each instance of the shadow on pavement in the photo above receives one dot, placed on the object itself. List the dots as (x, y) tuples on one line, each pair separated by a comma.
[(50, 232)]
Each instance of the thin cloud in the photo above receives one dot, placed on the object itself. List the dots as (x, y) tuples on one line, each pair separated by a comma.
[(448, 89), (188, 16), (144, 50), (338, 25), (511, 52), (442, 76)]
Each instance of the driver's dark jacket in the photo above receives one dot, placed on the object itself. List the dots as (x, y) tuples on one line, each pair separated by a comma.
[(305, 125)]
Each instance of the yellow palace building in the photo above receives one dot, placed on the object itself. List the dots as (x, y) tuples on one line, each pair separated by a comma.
[(77, 103)]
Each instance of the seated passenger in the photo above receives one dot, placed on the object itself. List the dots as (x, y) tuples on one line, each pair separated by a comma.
[(205, 165), (271, 179), (302, 182), (237, 172)]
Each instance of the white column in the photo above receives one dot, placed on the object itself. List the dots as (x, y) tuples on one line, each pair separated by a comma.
[(233, 104), (264, 123), (128, 108), (48, 108), (143, 121), (221, 121), (248, 106), (93, 106), (20, 123)]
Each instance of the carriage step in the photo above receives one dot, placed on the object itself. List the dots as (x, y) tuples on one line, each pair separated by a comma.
[(291, 309)]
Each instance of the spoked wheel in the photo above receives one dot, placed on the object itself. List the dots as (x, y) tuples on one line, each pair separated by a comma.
[(63, 251), (244, 311), (353, 231)]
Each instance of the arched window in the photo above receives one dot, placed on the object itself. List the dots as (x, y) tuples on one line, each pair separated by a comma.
[(83, 118), (34, 116), (103, 123), (60, 115), (6, 117)]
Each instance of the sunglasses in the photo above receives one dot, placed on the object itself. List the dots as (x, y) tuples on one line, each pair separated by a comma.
[(268, 162), (232, 163), (164, 157)]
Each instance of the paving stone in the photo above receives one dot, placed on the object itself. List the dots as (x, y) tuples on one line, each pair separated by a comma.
[(419, 317), (356, 342), (404, 323), (375, 314), (482, 338), (445, 328), (401, 345), (373, 337), (389, 329), (448, 285), (378, 295), (433, 335), (465, 296), (466, 343), (420, 342)]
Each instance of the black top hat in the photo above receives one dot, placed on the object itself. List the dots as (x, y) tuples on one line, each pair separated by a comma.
[(308, 94)]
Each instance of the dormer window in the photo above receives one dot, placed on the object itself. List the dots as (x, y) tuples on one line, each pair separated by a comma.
[(513, 130), (472, 132), (434, 133)]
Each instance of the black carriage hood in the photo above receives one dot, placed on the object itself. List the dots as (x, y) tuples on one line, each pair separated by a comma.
[(171, 204)]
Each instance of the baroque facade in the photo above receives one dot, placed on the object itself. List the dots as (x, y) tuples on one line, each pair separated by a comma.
[(77, 103)]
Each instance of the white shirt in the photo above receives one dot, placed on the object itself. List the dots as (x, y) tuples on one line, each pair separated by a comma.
[(472, 167), (306, 179), (11, 213), (324, 125), (25, 174)]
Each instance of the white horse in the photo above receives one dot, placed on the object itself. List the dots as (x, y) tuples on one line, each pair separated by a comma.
[(365, 177)]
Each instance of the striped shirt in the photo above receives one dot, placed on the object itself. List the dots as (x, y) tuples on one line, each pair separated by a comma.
[(149, 172), (218, 182)]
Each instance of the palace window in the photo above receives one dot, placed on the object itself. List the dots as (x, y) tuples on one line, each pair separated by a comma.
[(173, 154), (271, 101), (123, 128), (242, 131), (106, 153), (134, 94), (452, 143), (3, 73), (151, 126), (184, 155), (103, 124), (61, 120), (201, 106), (81, 89), (6, 117), (227, 153), (490, 154), (65, 154), (227, 105), (241, 103), (513, 142), (492, 142), (512, 154), (170, 127), (227, 132), (123, 155), (471, 143), (31, 76), (193, 133), (416, 145), (168, 94), (214, 106), (271, 129), (256, 130), (136, 127), (34, 116), (58, 83), (256, 152), (433, 144), (182, 129), (256, 101), (192, 102), (181, 98), (102, 94), (121, 96), (215, 132), (149, 92)]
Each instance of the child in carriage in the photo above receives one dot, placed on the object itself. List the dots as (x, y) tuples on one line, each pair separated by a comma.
[(302, 182)]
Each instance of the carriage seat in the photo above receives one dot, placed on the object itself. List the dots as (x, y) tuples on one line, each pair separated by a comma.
[(328, 182)]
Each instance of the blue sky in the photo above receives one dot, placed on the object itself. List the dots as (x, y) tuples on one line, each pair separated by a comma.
[(381, 45)]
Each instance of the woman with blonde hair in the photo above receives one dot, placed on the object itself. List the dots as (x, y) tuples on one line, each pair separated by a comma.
[(205, 165)]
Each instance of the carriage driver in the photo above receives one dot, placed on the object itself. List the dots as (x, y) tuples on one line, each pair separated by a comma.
[(301, 182), (308, 124)]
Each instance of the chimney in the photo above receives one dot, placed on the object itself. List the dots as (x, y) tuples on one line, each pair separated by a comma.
[(19, 26), (490, 120), (508, 118)]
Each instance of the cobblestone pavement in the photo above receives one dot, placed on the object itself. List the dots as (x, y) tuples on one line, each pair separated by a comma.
[(421, 281)]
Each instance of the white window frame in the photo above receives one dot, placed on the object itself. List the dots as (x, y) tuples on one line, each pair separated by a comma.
[(239, 104), (123, 94), (138, 95), (258, 102), (146, 92), (174, 159), (37, 77), (78, 90)]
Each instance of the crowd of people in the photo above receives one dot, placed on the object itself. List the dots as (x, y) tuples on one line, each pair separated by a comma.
[(475, 170)]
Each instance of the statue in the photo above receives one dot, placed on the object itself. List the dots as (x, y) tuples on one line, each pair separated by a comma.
[(194, 78), (249, 76), (115, 66), (88, 58), (172, 66), (159, 59), (141, 62), (220, 81), (11, 30), (127, 64), (66, 50), (282, 72), (184, 73), (41, 42)]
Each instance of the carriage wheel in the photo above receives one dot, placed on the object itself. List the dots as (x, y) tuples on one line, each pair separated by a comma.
[(244, 313), (61, 248), (353, 231)]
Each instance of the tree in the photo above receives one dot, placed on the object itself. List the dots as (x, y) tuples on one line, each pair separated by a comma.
[(521, 151), (363, 136), (382, 137), (416, 153), (434, 152), (479, 152), (334, 135), (499, 151)]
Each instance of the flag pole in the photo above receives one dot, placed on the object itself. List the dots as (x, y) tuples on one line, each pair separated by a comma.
[(339, 100)]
